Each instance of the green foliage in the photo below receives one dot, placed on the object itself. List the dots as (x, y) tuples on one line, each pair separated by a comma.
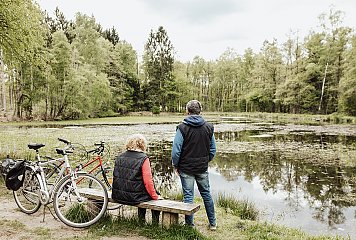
[(172, 195), (160, 85), (21, 30), (73, 69), (21, 48), (111, 35), (244, 209), (122, 74), (78, 213), (155, 110), (267, 231), (113, 226), (347, 87)]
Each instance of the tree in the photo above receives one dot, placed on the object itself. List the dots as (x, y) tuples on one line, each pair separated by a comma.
[(185, 89), (59, 23), (122, 74), (21, 31), (265, 78), (21, 44), (200, 75), (335, 41), (111, 35), (92, 48), (347, 86), (294, 94), (62, 70), (248, 63), (159, 83), (226, 80)]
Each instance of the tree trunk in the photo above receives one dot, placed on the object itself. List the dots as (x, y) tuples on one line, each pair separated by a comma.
[(2, 79), (323, 86)]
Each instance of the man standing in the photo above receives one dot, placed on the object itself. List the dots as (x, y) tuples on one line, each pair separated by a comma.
[(193, 148)]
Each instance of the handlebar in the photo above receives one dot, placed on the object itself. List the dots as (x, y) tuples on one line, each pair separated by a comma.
[(100, 148), (99, 144), (64, 141), (67, 149)]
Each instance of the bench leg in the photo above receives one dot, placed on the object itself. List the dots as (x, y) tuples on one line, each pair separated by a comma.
[(169, 219)]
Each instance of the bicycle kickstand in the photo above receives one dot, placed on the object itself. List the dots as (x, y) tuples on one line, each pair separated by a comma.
[(44, 213)]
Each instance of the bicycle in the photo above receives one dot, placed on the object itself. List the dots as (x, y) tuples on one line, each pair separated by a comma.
[(102, 167), (67, 192)]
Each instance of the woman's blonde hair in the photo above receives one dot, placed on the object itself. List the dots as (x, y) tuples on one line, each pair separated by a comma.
[(136, 142)]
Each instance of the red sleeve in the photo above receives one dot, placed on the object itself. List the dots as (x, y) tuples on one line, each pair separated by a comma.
[(147, 179)]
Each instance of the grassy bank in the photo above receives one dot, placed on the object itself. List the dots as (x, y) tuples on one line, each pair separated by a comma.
[(144, 117), (123, 120), (230, 226), (291, 118)]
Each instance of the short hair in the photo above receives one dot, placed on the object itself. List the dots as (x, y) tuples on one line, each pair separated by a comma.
[(136, 142), (194, 107)]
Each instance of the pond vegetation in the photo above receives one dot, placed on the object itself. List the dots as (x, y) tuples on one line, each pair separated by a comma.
[(296, 175)]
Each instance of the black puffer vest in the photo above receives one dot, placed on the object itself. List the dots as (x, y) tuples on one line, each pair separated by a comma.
[(194, 156), (128, 185)]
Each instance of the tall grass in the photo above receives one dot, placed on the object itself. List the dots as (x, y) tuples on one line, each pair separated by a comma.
[(241, 208), (172, 195), (112, 226), (268, 231), (78, 213)]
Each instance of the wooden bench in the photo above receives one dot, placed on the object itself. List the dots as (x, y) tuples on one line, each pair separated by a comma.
[(170, 209)]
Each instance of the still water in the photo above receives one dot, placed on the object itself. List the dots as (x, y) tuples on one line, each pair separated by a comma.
[(296, 175)]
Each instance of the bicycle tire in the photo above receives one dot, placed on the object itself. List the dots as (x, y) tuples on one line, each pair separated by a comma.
[(27, 197), (79, 212), (101, 175)]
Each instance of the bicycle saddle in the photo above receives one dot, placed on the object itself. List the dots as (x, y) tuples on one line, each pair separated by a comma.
[(35, 146)]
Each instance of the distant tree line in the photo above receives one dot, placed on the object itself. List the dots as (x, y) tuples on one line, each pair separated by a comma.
[(55, 68)]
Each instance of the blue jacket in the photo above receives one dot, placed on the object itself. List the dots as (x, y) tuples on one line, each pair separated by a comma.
[(192, 120)]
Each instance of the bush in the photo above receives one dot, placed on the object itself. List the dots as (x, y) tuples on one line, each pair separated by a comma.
[(155, 110)]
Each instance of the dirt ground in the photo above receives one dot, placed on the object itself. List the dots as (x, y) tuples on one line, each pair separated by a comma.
[(15, 225)]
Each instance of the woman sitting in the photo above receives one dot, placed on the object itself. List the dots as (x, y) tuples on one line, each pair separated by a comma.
[(132, 182)]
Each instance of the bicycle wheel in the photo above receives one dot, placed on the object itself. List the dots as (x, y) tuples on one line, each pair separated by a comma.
[(102, 175), (73, 207), (27, 198)]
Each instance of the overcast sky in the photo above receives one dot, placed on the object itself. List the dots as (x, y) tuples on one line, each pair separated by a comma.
[(206, 28)]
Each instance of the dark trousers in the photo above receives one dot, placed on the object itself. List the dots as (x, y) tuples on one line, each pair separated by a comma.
[(142, 215)]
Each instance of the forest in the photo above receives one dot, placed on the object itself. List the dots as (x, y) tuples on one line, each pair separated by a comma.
[(54, 68)]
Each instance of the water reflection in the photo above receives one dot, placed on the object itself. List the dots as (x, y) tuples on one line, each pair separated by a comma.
[(327, 189), (270, 135), (304, 189), (160, 157)]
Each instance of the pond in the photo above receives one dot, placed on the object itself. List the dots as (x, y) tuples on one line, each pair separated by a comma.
[(296, 175)]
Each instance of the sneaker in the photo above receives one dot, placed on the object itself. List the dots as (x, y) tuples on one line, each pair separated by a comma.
[(189, 225), (212, 227)]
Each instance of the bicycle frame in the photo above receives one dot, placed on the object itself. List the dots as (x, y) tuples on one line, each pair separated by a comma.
[(100, 163), (47, 194)]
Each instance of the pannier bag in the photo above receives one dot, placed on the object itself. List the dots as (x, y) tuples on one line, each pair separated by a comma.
[(15, 174), (6, 165)]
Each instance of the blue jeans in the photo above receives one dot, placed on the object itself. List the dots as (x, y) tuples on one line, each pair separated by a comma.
[(202, 180)]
